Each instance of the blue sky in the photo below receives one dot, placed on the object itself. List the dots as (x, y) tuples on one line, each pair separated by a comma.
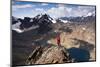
[(22, 9)]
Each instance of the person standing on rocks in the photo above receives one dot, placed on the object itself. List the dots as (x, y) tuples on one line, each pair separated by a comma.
[(58, 40)]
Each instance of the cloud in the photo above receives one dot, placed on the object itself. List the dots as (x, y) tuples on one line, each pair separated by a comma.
[(39, 9), (23, 6), (65, 11), (60, 5), (35, 11), (44, 4), (56, 11), (82, 11), (60, 11)]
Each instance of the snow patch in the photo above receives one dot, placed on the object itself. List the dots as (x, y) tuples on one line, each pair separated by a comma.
[(64, 21), (53, 21), (31, 20), (18, 30), (16, 27)]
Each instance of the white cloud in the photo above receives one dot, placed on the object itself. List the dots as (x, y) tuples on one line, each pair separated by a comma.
[(37, 11), (23, 6), (60, 11), (44, 4), (54, 12), (57, 12), (64, 11), (16, 7), (82, 11)]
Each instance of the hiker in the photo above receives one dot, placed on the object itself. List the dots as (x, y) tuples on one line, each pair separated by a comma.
[(58, 40)]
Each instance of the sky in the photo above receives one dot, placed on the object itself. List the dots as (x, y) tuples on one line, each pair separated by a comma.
[(23, 9)]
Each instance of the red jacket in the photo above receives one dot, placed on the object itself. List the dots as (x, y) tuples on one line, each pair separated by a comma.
[(58, 39)]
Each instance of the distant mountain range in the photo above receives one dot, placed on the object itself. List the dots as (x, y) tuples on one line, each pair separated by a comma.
[(79, 19), (86, 18), (42, 22)]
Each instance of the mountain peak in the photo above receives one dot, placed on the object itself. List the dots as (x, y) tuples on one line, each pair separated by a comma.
[(52, 54)]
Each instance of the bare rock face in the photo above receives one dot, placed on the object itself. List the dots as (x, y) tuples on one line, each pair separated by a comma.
[(49, 55)]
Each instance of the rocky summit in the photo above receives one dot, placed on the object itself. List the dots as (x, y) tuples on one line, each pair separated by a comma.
[(49, 55)]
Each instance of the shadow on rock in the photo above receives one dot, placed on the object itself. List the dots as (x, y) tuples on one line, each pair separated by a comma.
[(79, 55)]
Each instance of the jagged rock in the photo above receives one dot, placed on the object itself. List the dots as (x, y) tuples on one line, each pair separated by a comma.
[(53, 54), (42, 21)]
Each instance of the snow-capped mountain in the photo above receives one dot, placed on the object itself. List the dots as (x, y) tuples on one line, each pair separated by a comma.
[(87, 18), (40, 21)]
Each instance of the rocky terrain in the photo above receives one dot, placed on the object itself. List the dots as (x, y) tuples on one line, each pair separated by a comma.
[(48, 55), (34, 40)]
